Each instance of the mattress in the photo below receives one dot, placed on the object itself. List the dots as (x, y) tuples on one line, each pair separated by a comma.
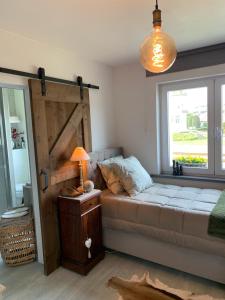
[(174, 214)]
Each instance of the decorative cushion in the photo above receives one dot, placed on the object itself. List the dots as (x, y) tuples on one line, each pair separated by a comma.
[(111, 179), (132, 175)]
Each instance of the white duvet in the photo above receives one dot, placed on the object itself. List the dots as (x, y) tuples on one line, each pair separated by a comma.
[(170, 213)]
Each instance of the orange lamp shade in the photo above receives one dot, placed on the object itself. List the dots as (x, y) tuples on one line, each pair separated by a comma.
[(79, 154)]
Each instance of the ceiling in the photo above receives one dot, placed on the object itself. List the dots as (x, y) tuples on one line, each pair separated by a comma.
[(111, 31)]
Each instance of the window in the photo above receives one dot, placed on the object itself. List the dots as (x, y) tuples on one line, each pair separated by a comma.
[(193, 126), (223, 126)]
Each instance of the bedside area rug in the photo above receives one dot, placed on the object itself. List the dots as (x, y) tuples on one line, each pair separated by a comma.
[(147, 289)]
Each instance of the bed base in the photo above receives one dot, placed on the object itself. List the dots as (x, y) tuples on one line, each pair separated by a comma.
[(191, 261), (183, 259)]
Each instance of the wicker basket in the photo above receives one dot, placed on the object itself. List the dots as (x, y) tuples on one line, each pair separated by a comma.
[(17, 240), (2, 289)]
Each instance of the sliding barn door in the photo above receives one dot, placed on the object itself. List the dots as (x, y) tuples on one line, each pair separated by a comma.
[(61, 121)]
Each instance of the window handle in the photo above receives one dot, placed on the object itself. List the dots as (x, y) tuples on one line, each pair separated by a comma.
[(218, 133)]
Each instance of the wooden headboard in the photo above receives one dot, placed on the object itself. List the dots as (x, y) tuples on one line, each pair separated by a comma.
[(94, 172)]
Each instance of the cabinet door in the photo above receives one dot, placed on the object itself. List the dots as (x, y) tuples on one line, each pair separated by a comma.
[(92, 228), (71, 236)]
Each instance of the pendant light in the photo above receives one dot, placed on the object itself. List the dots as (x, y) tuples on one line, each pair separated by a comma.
[(158, 51)]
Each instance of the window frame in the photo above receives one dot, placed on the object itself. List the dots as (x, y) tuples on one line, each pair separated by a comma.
[(219, 82), (164, 128)]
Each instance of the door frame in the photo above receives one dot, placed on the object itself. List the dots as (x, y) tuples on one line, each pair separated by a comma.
[(5, 152), (7, 132), (32, 163)]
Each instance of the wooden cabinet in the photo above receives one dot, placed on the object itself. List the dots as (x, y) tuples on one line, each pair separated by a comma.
[(80, 220)]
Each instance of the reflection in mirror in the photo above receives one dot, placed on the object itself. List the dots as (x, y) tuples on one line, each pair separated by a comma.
[(16, 159)]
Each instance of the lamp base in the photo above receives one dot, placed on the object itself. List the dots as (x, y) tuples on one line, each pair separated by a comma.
[(81, 187)]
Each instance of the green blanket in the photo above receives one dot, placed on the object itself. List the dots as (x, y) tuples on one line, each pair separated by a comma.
[(217, 218)]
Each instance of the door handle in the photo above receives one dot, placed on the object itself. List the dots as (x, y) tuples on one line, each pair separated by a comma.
[(44, 173)]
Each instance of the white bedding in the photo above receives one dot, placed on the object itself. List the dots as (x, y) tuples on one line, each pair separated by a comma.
[(169, 213)]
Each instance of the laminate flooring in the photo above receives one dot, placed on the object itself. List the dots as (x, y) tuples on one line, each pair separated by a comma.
[(28, 282)]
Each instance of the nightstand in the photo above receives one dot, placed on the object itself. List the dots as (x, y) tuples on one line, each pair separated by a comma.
[(81, 226)]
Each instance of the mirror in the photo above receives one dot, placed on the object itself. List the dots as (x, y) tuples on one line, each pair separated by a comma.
[(16, 155)]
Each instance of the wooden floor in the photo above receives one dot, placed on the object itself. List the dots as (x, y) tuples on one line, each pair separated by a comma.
[(28, 282)]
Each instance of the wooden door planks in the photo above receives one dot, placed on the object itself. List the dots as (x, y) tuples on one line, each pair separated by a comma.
[(87, 128), (66, 135), (61, 121)]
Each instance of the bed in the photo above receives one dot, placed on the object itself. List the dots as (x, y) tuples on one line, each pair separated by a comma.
[(165, 224)]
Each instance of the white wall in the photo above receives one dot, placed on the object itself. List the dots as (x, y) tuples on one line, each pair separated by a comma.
[(24, 54), (136, 103), (134, 114)]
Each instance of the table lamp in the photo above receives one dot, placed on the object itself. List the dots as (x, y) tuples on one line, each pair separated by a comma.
[(79, 154)]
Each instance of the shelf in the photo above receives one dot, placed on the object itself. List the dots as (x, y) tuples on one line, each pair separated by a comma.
[(193, 178), (14, 120)]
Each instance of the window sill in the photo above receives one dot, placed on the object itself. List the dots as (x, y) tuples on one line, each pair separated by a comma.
[(192, 178)]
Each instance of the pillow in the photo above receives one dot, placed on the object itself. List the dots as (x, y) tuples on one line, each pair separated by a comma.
[(132, 175), (111, 179)]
